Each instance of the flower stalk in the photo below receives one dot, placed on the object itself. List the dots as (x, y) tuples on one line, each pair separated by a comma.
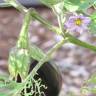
[(47, 24), (23, 41)]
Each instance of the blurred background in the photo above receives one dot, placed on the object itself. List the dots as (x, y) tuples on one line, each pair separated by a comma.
[(75, 63)]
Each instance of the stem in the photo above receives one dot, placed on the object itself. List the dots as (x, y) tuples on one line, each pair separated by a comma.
[(41, 63), (61, 26), (43, 21), (45, 59), (60, 23), (71, 38), (23, 38), (34, 14), (17, 5), (78, 42)]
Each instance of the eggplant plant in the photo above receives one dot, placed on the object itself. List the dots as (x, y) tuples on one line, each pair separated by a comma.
[(31, 71)]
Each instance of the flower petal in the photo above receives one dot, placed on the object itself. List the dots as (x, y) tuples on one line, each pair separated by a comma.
[(71, 25), (87, 20)]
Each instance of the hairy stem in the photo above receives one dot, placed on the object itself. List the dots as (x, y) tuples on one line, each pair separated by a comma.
[(17, 5), (36, 16), (38, 66), (45, 59), (23, 38)]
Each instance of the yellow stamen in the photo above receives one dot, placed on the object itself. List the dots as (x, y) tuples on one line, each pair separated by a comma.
[(78, 21)]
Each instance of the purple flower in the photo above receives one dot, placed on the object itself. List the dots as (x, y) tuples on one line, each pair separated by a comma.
[(77, 23)]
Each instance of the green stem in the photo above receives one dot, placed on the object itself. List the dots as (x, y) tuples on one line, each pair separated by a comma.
[(23, 38), (60, 23), (61, 26), (43, 21), (36, 16), (41, 62), (17, 5), (78, 42), (71, 38), (45, 59)]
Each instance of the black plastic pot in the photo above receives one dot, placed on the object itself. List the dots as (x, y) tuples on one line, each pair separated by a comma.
[(50, 76)]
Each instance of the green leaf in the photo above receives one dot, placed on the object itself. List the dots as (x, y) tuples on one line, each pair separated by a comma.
[(93, 23), (59, 8), (93, 16), (36, 53), (4, 77), (50, 2), (92, 79), (92, 28), (3, 94), (93, 90), (2, 84), (84, 90), (82, 4), (19, 62), (71, 7), (11, 88), (75, 1), (86, 4)]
